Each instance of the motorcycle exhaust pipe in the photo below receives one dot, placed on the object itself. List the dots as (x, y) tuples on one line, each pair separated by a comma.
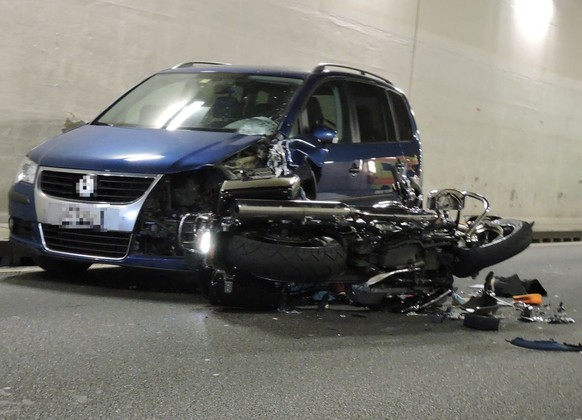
[(295, 210), (245, 209)]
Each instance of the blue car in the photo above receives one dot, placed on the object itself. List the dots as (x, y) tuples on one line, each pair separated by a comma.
[(114, 190)]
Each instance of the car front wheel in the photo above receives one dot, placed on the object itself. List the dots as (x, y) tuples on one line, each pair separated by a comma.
[(60, 267)]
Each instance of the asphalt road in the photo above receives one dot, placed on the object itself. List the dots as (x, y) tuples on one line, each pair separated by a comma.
[(119, 344)]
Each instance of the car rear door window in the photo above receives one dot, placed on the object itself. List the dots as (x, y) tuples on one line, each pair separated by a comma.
[(401, 114)]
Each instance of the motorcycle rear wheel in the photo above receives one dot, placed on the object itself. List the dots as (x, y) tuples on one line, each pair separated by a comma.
[(300, 259), (494, 247)]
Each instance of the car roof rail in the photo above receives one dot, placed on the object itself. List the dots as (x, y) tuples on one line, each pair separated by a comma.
[(193, 63), (322, 66)]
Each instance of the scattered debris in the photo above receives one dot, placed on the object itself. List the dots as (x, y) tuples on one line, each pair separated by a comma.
[(477, 311), (544, 314)]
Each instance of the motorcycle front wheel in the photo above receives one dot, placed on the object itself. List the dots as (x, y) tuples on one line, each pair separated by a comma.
[(499, 240), (296, 258)]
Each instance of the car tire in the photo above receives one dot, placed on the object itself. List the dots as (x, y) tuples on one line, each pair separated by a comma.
[(60, 267)]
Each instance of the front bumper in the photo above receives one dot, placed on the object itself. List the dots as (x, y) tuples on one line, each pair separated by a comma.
[(33, 248), (81, 231)]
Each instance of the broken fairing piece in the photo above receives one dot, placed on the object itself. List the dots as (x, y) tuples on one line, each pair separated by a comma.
[(549, 345), (513, 285)]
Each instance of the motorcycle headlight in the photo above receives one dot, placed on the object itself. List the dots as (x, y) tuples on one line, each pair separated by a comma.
[(27, 171), (446, 200)]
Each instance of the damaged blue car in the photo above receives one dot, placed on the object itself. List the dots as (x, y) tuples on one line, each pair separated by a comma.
[(114, 190)]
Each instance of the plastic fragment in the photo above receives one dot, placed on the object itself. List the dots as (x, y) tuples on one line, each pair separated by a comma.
[(530, 299), (548, 345)]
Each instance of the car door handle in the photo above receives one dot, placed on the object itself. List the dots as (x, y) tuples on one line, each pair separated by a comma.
[(355, 169)]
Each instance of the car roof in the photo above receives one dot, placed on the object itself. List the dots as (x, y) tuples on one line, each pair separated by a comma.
[(196, 67), (327, 69)]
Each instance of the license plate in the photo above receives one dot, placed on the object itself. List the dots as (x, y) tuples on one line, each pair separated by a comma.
[(75, 216)]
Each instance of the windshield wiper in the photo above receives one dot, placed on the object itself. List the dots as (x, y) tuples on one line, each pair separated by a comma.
[(217, 130)]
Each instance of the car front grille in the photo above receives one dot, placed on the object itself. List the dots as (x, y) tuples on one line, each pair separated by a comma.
[(106, 188), (87, 242)]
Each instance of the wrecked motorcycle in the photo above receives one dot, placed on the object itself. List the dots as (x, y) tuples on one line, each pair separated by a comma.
[(264, 242)]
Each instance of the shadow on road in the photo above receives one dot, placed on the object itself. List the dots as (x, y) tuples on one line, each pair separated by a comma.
[(115, 282)]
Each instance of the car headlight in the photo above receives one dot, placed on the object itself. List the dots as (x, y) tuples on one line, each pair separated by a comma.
[(27, 171)]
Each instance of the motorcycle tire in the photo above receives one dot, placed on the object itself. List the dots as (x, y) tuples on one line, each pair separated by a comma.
[(314, 262), (517, 237)]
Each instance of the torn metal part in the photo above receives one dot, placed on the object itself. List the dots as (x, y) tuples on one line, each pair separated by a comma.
[(549, 345), (435, 301), (558, 319)]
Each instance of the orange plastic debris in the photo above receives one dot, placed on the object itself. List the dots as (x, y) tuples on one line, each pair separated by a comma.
[(530, 299)]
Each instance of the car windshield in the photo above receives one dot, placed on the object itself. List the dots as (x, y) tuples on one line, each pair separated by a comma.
[(214, 101)]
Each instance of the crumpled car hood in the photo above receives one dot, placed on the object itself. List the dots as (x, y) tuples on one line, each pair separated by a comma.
[(138, 150)]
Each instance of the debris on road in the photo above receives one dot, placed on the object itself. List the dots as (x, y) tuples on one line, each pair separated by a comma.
[(513, 286), (549, 345), (531, 313)]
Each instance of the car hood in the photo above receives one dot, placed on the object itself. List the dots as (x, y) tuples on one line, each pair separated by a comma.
[(138, 150)]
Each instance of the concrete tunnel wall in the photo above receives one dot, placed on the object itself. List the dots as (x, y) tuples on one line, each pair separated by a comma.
[(496, 85)]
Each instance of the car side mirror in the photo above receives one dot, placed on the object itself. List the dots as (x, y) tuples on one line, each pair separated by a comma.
[(325, 135)]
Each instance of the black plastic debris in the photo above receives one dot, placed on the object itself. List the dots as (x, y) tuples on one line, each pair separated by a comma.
[(513, 286), (486, 304), (548, 345)]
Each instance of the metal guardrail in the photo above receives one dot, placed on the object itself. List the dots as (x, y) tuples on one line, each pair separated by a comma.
[(556, 237)]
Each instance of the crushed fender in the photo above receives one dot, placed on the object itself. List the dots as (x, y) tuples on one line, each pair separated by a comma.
[(548, 345)]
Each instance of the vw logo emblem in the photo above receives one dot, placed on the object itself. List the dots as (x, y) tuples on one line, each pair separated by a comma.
[(86, 186)]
